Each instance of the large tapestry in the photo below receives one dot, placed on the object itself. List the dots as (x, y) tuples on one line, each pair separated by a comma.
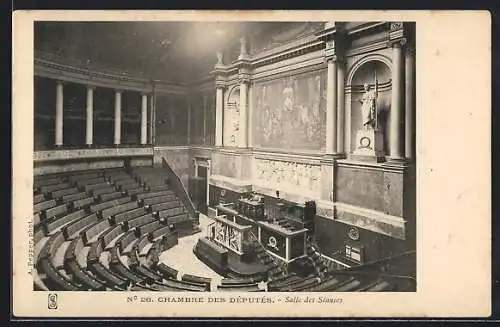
[(290, 113)]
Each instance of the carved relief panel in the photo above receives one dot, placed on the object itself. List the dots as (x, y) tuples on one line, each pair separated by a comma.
[(287, 176)]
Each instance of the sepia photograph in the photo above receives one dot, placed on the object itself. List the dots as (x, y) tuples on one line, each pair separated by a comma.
[(216, 157), (191, 161)]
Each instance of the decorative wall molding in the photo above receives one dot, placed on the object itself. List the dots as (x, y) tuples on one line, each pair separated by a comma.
[(81, 154), (373, 57), (370, 166), (232, 184), (373, 220)]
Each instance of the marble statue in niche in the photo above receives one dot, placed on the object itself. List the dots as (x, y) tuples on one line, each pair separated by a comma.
[(369, 137), (369, 107)]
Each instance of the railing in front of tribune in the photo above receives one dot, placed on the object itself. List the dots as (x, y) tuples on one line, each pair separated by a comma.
[(176, 183)]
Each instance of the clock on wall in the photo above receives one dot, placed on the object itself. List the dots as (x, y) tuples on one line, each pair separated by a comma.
[(353, 233)]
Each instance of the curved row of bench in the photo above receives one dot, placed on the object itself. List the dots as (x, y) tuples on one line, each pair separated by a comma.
[(94, 218)]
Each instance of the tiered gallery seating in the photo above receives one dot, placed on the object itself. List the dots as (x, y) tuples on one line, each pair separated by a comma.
[(108, 210), (104, 230)]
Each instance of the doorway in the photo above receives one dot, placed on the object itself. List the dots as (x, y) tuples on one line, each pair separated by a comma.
[(202, 180)]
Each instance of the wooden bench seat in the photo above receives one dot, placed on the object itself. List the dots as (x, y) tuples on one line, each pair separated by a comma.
[(50, 247), (148, 228), (61, 193), (183, 285), (240, 288), (124, 181), (56, 211), (81, 276), (155, 188), (55, 281), (166, 271), (92, 187), (239, 281), (38, 198), (131, 186), (299, 286), (75, 246), (81, 183), (44, 205), (129, 214), (381, 286), (55, 223), (197, 279), (48, 181), (73, 197), (329, 284), (83, 203), (89, 233), (138, 221), (349, 287), (158, 199), (142, 245), (166, 205), (146, 195), (83, 176), (177, 219), (164, 288), (118, 176), (125, 240), (94, 253), (110, 235), (135, 191), (147, 273), (111, 279), (76, 226), (105, 190), (108, 212), (110, 196), (55, 187), (36, 219), (120, 270), (108, 204), (211, 253), (162, 231)]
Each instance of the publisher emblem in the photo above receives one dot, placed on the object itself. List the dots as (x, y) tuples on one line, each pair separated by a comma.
[(52, 301)]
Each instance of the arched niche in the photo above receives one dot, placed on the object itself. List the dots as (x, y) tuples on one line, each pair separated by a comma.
[(232, 117), (362, 72)]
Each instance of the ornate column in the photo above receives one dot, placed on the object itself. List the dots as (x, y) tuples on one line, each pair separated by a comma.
[(204, 119), (144, 118), (189, 122), (340, 107), (409, 101), (396, 141), (219, 99), (219, 112), (331, 107), (243, 132), (59, 114), (118, 116), (89, 131), (244, 76), (209, 171)]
